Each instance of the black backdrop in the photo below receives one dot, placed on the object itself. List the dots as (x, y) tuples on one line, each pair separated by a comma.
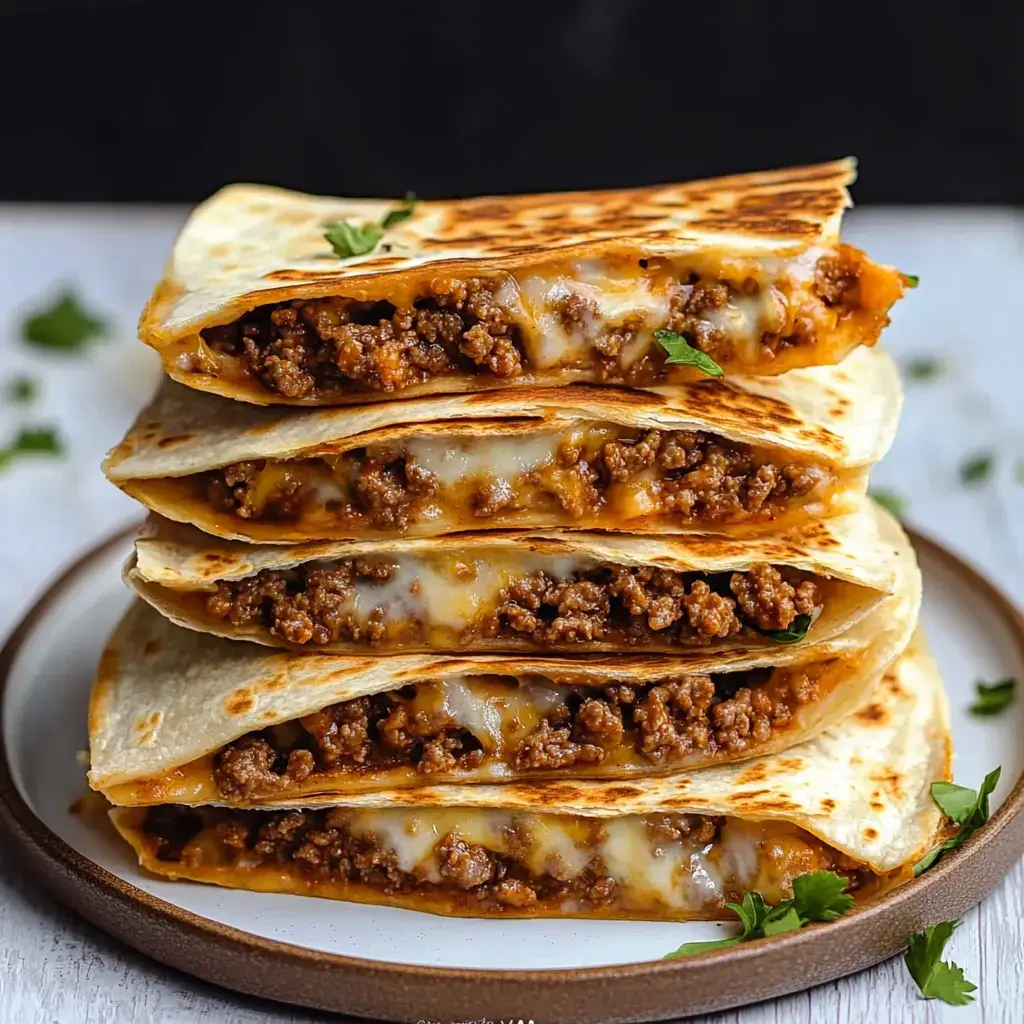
[(167, 101)]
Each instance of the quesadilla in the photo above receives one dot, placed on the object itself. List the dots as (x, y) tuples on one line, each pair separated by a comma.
[(275, 296), (742, 456), (854, 800), (279, 727), (527, 591)]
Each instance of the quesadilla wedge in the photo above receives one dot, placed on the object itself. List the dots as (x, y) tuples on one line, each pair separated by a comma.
[(263, 302), (736, 457), (279, 727), (518, 592), (855, 800)]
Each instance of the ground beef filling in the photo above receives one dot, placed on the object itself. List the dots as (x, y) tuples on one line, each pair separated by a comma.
[(697, 476), (727, 714), (305, 348), (322, 847), (308, 348), (313, 605)]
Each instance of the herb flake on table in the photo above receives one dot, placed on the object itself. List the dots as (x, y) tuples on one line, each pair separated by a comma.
[(682, 353), (891, 501), (1018, 471), (22, 390), (65, 326), (977, 469), (993, 698), (937, 979), (32, 441), (817, 896), (349, 240), (963, 807), (924, 368)]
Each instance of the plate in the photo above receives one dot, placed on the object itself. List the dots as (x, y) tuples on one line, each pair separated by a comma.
[(402, 965)]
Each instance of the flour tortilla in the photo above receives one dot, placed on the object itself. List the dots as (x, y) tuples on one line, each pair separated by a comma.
[(844, 416), (250, 245), (866, 552), (862, 786)]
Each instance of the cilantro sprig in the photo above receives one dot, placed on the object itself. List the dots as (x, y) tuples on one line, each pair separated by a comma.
[(682, 353), (349, 240), (22, 389), (993, 698), (796, 632), (912, 280), (977, 469), (817, 896), (31, 441), (936, 978), (65, 326), (964, 807)]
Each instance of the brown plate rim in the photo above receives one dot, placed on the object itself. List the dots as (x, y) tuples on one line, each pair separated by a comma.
[(649, 990)]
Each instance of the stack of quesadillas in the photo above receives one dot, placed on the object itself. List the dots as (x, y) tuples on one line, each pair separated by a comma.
[(560, 594)]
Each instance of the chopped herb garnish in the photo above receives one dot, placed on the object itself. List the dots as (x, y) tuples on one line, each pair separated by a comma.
[(912, 280), (32, 441), (935, 978), (963, 807), (22, 389), (977, 469), (682, 353), (796, 632), (924, 368), (348, 240), (993, 697), (404, 212), (64, 327), (891, 501), (817, 896)]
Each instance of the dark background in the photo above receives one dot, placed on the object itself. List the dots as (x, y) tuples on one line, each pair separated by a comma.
[(149, 101)]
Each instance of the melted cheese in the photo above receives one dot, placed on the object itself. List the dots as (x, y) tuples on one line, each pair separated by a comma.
[(454, 459)]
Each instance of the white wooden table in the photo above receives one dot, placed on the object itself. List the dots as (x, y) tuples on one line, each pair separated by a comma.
[(56, 968)]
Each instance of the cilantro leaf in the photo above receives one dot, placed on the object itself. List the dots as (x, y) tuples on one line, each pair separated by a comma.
[(912, 280), (821, 896), (682, 353), (404, 212), (817, 896), (32, 441), (891, 501), (784, 918), (993, 697), (924, 368), (65, 326), (348, 240), (963, 807), (689, 948), (935, 978), (751, 912), (977, 469), (796, 632), (22, 389)]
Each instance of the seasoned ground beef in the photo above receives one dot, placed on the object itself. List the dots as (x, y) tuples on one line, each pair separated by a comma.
[(664, 722), (323, 847), (692, 476), (312, 604), (366, 731), (305, 348)]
